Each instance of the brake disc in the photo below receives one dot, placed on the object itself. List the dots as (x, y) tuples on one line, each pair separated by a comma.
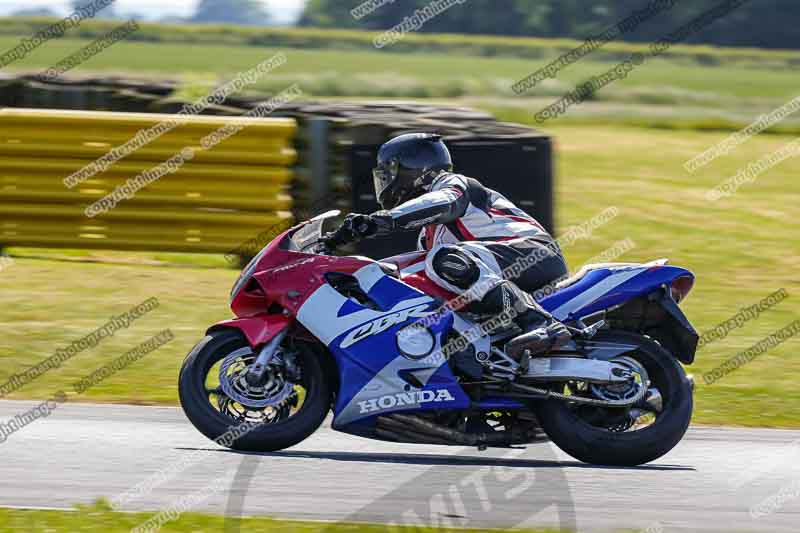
[(232, 378)]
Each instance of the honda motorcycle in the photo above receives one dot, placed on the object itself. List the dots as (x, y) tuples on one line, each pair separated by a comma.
[(377, 343)]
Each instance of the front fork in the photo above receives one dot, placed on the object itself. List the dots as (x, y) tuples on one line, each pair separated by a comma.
[(256, 374)]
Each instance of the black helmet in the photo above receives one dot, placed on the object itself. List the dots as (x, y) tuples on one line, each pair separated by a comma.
[(407, 165)]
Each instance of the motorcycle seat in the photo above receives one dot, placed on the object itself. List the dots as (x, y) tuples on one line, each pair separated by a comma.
[(585, 269)]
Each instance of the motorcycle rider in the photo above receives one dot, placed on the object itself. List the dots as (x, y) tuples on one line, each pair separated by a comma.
[(473, 235)]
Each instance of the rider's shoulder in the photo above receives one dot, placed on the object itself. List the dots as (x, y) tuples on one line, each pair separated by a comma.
[(450, 179)]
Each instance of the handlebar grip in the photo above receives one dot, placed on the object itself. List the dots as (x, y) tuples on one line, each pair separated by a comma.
[(335, 238), (362, 228)]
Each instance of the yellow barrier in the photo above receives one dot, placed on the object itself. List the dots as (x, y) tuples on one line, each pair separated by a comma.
[(222, 197)]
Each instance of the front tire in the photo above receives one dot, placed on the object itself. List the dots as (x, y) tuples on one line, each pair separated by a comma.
[(280, 433), (570, 430)]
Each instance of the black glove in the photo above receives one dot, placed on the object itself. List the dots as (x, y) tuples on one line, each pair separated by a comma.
[(357, 226), (363, 226)]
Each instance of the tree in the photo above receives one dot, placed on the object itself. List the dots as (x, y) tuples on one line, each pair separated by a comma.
[(244, 12), (328, 14), (34, 12), (758, 24)]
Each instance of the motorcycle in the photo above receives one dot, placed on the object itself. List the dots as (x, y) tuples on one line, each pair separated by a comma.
[(379, 344)]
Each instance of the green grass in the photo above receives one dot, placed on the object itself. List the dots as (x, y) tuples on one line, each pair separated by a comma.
[(741, 249), (451, 44), (99, 519), (48, 303), (667, 92), (225, 60)]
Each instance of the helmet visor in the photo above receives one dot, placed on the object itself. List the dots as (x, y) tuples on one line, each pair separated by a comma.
[(385, 175)]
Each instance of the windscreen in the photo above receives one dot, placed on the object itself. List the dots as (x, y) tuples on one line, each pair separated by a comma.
[(307, 238)]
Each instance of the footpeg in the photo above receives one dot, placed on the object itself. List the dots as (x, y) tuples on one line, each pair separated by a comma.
[(538, 341), (587, 332)]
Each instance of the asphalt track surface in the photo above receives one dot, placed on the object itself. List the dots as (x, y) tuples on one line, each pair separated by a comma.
[(709, 483)]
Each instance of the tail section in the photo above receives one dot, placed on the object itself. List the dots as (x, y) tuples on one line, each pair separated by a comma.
[(601, 286)]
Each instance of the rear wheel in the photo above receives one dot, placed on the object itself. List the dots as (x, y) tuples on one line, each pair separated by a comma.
[(281, 412), (624, 436)]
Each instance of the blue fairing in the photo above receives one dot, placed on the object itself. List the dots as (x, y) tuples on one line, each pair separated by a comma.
[(606, 287), (377, 379)]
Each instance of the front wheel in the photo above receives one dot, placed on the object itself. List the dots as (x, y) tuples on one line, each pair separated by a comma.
[(282, 411), (624, 436)]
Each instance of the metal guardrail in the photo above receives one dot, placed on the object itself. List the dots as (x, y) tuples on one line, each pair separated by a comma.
[(513, 159), (222, 197)]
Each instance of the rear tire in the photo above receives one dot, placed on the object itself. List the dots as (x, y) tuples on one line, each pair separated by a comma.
[(595, 445), (274, 436)]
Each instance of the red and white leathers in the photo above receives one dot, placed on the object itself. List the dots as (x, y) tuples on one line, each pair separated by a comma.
[(460, 216)]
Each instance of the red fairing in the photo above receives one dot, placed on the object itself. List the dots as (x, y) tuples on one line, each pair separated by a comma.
[(419, 280), (299, 275), (422, 282), (287, 278), (257, 330), (407, 259), (282, 282)]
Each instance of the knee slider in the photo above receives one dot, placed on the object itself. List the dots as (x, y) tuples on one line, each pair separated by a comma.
[(456, 267)]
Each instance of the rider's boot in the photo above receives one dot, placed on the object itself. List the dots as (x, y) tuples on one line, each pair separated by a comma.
[(541, 331), (544, 338)]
